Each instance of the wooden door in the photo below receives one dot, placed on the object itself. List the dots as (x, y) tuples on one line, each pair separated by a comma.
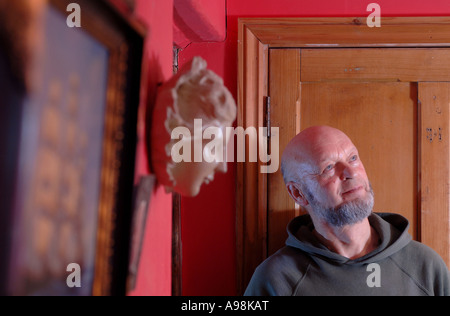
[(383, 111), (388, 88)]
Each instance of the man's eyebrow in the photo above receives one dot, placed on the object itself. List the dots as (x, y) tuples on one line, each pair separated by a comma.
[(325, 160), (354, 150)]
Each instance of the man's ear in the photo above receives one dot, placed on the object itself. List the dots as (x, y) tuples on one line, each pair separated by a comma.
[(296, 193)]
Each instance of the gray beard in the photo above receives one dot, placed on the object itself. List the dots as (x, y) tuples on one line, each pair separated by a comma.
[(345, 214)]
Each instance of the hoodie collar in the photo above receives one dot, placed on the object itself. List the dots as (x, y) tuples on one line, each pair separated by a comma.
[(392, 229)]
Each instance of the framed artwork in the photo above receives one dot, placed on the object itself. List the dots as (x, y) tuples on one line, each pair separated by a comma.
[(75, 163)]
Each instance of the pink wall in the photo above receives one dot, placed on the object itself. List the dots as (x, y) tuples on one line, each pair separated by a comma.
[(208, 221), (207, 16), (156, 259)]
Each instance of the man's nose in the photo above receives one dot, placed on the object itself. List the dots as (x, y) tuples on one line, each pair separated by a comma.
[(347, 172)]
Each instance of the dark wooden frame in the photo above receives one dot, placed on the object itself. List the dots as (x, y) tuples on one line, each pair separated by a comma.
[(123, 37)]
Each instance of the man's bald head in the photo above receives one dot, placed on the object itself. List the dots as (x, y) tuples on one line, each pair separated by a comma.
[(304, 147)]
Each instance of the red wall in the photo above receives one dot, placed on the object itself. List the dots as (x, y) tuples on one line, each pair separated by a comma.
[(208, 221), (156, 259)]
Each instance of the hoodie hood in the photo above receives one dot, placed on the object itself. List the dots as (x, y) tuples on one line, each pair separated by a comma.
[(392, 229)]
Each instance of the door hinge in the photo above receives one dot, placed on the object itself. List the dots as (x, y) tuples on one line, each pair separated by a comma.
[(267, 119)]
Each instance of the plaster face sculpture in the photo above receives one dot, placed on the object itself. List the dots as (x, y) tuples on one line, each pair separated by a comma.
[(191, 113)]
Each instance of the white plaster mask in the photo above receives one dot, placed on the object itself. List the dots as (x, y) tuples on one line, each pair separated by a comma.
[(194, 95)]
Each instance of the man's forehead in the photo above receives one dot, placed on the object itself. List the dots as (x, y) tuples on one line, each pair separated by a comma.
[(317, 144), (328, 140)]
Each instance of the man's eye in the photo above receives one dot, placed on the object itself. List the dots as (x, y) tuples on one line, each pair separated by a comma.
[(354, 158), (328, 168)]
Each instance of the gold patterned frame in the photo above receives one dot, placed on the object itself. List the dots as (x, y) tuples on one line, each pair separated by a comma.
[(123, 37)]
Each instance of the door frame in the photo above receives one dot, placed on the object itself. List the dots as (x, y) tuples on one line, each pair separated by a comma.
[(256, 37)]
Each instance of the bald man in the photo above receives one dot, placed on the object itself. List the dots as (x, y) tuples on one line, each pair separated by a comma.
[(340, 247)]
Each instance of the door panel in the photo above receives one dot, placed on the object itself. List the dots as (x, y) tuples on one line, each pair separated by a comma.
[(376, 64), (284, 86), (434, 166)]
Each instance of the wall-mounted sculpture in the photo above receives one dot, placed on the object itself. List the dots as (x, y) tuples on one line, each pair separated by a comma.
[(194, 95)]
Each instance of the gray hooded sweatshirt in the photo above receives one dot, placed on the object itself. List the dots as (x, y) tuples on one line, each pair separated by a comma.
[(399, 266)]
